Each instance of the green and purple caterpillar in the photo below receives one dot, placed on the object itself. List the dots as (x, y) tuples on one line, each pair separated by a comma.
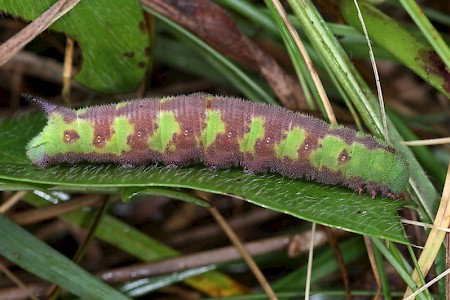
[(220, 132)]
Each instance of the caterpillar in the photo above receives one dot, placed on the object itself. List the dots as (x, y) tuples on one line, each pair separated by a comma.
[(220, 132)]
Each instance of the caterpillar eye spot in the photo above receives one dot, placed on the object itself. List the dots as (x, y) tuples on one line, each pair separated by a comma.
[(268, 140), (306, 146), (98, 139), (230, 134), (67, 137), (186, 132), (139, 133)]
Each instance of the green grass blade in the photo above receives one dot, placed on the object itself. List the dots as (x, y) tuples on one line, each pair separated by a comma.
[(33, 255), (384, 280), (301, 69), (168, 52), (406, 47), (398, 266), (428, 30)]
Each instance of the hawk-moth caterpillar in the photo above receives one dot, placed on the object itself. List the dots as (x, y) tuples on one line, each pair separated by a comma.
[(220, 132)]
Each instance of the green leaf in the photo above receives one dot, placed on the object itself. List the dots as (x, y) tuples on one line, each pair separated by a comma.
[(24, 249), (412, 51), (332, 206), (111, 33)]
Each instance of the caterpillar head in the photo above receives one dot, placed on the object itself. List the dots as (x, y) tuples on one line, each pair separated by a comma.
[(55, 137)]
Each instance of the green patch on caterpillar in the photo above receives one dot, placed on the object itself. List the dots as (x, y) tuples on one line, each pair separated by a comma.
[(219, 132)]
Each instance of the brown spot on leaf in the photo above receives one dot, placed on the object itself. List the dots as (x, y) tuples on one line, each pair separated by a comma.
[(128, 54), (148, 51), (143, 26), (436, 66), (70, 136)]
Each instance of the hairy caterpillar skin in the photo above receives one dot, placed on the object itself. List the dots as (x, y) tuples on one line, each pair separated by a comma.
[(219, 132)]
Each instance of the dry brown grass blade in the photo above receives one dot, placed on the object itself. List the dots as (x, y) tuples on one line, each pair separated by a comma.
[(425, 225), (436, 236), (439, 141), (30, 64), (38, 290), (41, 214), (67, 73), (337, 254), (245, 255), (308, 61), (430, 283), (447, 266), (373, 264), (375, 72), (18, 41), (11, 201), (215, 256), (28, 291), (310, 261)]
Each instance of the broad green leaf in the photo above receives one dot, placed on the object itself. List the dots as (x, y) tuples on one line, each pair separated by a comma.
[(111, 33), (332, 206), (33, 255)]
